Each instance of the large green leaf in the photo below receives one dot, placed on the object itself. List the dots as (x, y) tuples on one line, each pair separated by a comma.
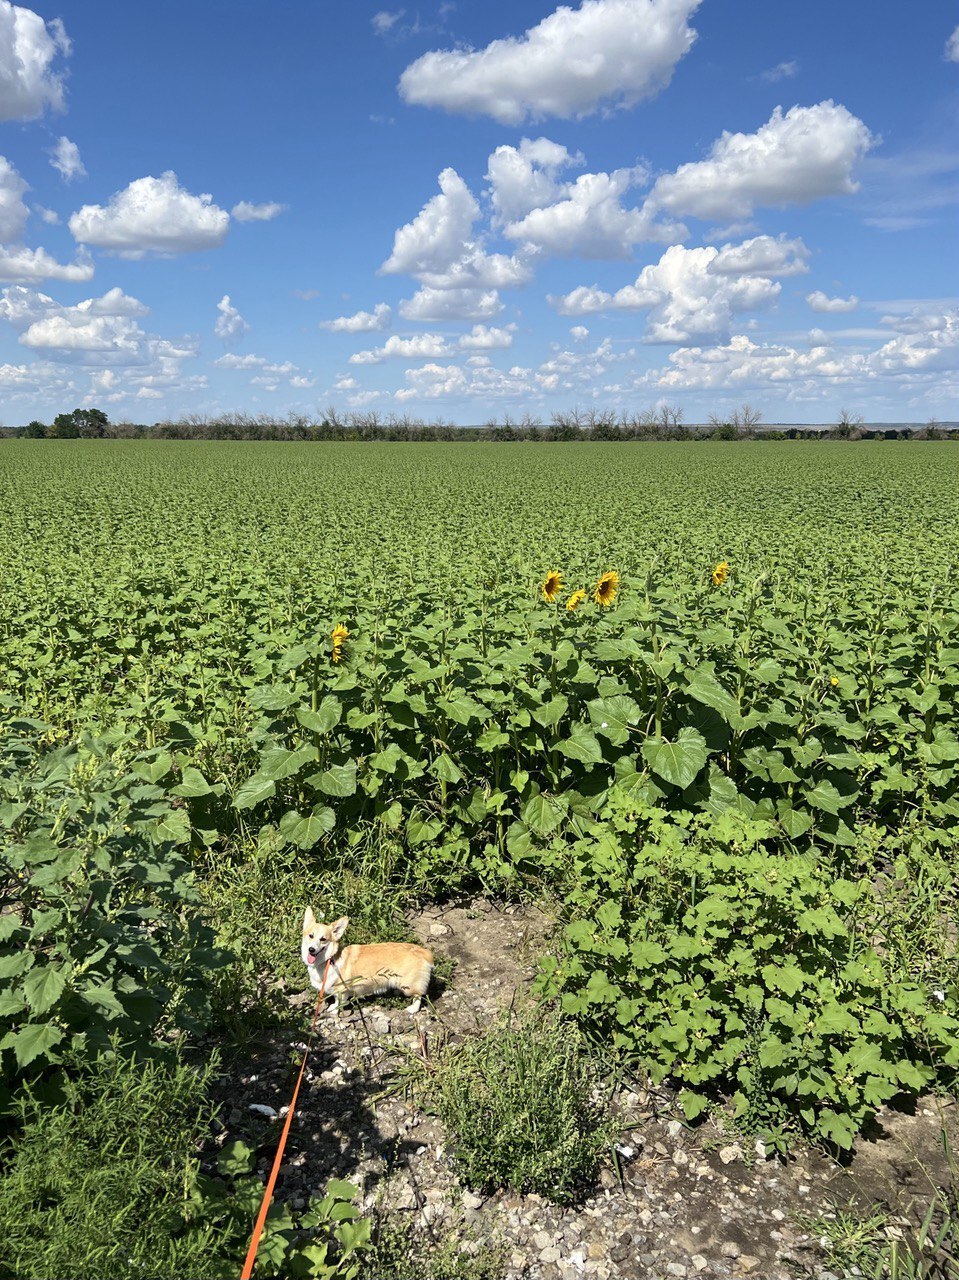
[(612, 717), (304, 832), (543, 813), (280, 762), (44, 986), (337, 780), (677, 762), (324, 719), (254, 791), (35, 1040), (581, 745)]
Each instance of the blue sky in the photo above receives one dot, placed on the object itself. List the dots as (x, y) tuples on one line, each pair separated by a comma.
[(465, 210)]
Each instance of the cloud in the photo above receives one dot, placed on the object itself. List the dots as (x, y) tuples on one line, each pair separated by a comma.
[(13, 212), (381, 317), (611, 53), (579, 333), (65, 158), (49, 216), (99, 332), (28, 48), (918, 358), (952, 47), (384, 22), (30, 266), (451, 304), (805, 155), (781, 71), (590, 220), (819, 301), (433, 346), (762, 255), (524, 178), (438, 247), (152, 215), (230, 325), (247, 212), (687, 297)]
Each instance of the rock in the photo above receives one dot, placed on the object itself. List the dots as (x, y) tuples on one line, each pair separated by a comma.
[(760, 1148), (747, 1263), (472, 1201), (699, 1262), (730, 1249), (542, 1240), (674, 1128), (439, 930), (549, 1254), (730, 1153), (676, 1269)]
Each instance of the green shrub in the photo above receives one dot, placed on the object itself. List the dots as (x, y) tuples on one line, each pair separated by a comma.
[(105, 1184), (521, 1104), (102, 933), (730, 964)]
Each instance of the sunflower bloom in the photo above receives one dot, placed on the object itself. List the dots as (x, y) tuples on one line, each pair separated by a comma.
[(338, 636), (551, 585), (575, 600), (720, 573), (606, 589), (834, 680)]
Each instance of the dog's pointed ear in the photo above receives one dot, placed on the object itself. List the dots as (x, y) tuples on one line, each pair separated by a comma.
[(309, 920), (339, 927)]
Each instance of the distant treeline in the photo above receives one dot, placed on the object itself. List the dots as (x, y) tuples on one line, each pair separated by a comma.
[(663, 423)]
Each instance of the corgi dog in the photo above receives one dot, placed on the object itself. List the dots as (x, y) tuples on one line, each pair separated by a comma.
[(363, 971)]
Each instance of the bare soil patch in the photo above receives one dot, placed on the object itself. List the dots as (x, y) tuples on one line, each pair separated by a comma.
[(676, 1202)]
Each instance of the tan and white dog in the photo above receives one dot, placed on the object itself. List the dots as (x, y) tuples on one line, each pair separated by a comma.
[(363, 970)]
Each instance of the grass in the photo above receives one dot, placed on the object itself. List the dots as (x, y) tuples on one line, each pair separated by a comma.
[(457, 1254), (522, 1105), (106, 1185)]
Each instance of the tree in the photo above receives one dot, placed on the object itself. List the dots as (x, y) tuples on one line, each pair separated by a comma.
[(64, 428), (35, 430)]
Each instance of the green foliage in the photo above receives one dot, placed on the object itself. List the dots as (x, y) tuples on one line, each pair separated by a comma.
[(396, 1253), (107, 1185), (729, 963), (520, 1103), (101, 929), (104, 1185)]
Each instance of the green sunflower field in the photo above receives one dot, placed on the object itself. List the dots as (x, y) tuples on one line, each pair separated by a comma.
[(512, 666)]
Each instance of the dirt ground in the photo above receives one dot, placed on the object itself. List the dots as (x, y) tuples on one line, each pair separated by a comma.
[(683, 1202)]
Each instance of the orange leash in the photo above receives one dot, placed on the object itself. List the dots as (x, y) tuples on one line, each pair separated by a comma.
[(278, 1158)]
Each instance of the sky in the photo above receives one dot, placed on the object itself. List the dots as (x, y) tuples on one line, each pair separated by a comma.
[(460, 211)]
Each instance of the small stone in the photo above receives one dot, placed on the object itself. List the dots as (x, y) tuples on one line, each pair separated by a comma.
[(730, 1249), (676, 1269), (760, 1148), (439, 930), (728, 1154), (699, 1262), (549, 1254), (680, 1158), (674, 1128), (577, 1259), (542, 1240), (472, 1201), (778, 1215), (747, 1263), (596, 1250)]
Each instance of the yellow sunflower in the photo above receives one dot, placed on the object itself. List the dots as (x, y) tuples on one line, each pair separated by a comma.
[(575, 600), (551, 585), (834, 680), (338, 636), (606, 589), (720, 573)]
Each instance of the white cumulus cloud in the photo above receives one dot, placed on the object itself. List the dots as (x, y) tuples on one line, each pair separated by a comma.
[(794, 158), (952, 47), (611, 53), (13, 212), (820, 301), (152, 215), (28, 49), (65, 158), (362, 322), (230, 325), (685, 297), (451, 304), (781, 71), (247, 212), (30, 266)]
